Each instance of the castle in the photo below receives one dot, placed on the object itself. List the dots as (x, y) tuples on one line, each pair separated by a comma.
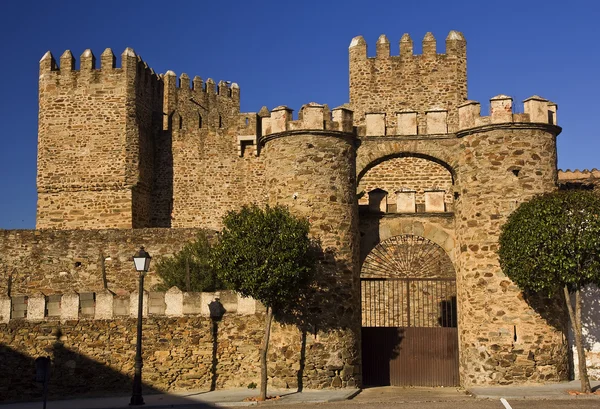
[(406, 186)]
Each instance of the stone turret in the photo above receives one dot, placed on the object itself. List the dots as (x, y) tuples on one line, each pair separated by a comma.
[(505, 159), (310, 167), (389, 84)]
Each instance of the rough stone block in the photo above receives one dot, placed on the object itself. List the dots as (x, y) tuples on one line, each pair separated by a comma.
[(36, 307), (468, 113), (174, 301), (104, 305), (406, 201), (437, 121), (134, 301), (5, 305), (312, 116), (246, 305), (192, 303), (69, 306), (375, 124), (501, 109), (406, 123), (207, 298), (344, 117), (537, 109), (434, 201)]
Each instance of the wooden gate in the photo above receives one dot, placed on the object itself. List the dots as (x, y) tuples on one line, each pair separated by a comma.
[(409, 334)]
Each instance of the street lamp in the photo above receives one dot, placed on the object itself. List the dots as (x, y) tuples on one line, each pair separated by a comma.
[(142, 263)]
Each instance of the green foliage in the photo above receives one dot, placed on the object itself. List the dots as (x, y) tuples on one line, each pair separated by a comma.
[(265, 254), (553, 241), (195, 257), (252, 385)]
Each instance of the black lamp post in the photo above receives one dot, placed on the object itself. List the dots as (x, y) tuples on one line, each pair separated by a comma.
[(142, 263)]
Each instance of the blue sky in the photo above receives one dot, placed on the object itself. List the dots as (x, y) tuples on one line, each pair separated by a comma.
[(291, 53)]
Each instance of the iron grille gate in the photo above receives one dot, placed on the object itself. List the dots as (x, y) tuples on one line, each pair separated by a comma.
[(409, 332)]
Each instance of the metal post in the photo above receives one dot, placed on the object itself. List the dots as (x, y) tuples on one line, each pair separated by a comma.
[(136, 397)]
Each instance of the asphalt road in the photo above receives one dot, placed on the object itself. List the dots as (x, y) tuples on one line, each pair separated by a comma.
[(471, 404)]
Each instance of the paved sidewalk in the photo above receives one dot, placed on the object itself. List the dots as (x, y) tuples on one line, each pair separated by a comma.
[(552, 391), (199, 399)]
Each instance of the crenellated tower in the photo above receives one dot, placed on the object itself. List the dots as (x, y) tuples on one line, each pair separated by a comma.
[(407, 82), (503, 159), (96, 136), (310, 167)]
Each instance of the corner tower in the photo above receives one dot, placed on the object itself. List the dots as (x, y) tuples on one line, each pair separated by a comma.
[(96, 136), (503, 160), (310, 167), (408, 82)]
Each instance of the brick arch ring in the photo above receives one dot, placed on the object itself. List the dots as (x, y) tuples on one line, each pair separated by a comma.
[(438, 235)]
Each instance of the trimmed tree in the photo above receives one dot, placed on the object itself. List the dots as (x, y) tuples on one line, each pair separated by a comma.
[(190, 268), (265, 254), (552, 244)]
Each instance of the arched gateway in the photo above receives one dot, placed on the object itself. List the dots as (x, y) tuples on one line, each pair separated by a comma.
[(409, 320)]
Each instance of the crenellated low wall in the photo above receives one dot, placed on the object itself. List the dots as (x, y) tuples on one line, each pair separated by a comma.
[(105, 305)]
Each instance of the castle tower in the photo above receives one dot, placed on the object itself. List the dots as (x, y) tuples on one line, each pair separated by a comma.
[(310, 167), (96, 141), (504, 160), (390, 84)]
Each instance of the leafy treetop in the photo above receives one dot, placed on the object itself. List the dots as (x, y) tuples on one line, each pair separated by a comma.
[(553, 241), (265, 254)]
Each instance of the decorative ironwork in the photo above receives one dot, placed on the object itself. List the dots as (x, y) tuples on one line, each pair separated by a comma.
[(407, 256)]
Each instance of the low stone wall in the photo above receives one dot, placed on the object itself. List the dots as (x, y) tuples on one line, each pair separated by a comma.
[(190, 351), (105, 305)]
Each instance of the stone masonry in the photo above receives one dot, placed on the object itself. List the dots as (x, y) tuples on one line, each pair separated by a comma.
[(127, 157)]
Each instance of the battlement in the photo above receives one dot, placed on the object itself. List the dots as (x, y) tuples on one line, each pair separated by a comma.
[(66, 69), (405, 123), (106, 305), (536, 110), (408, 81), (197, 85), (311, 116), (455, 46), (578, 174)]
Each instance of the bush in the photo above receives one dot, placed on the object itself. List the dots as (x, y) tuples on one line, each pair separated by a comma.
[(189, 269)]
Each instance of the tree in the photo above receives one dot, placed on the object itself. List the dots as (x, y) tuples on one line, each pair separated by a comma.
[(265, 254), (190, 268), (552, 244)]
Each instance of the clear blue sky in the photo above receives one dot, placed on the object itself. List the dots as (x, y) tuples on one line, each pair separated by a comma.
[(290, 53)]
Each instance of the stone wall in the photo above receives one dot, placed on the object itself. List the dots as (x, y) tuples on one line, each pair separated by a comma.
[(389, 84), (310, 168), (57, 261), (407, 173), (95, 141), (505, 338), (183, 348), (211, 172)]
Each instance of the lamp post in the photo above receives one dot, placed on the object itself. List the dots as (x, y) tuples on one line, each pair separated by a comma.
[(142, 263)]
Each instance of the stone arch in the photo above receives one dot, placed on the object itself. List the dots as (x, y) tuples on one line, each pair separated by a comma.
[(442, 151), (382, 159), (437, 230)]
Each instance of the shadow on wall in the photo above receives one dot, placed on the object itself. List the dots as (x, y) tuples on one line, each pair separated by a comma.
[(590, 311), (323, 307), (71, 375), (589, 316)]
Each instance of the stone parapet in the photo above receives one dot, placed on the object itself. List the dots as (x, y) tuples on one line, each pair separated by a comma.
[(173, 303), (312, 116), (536, 110), (65, 72), (406, 123)]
